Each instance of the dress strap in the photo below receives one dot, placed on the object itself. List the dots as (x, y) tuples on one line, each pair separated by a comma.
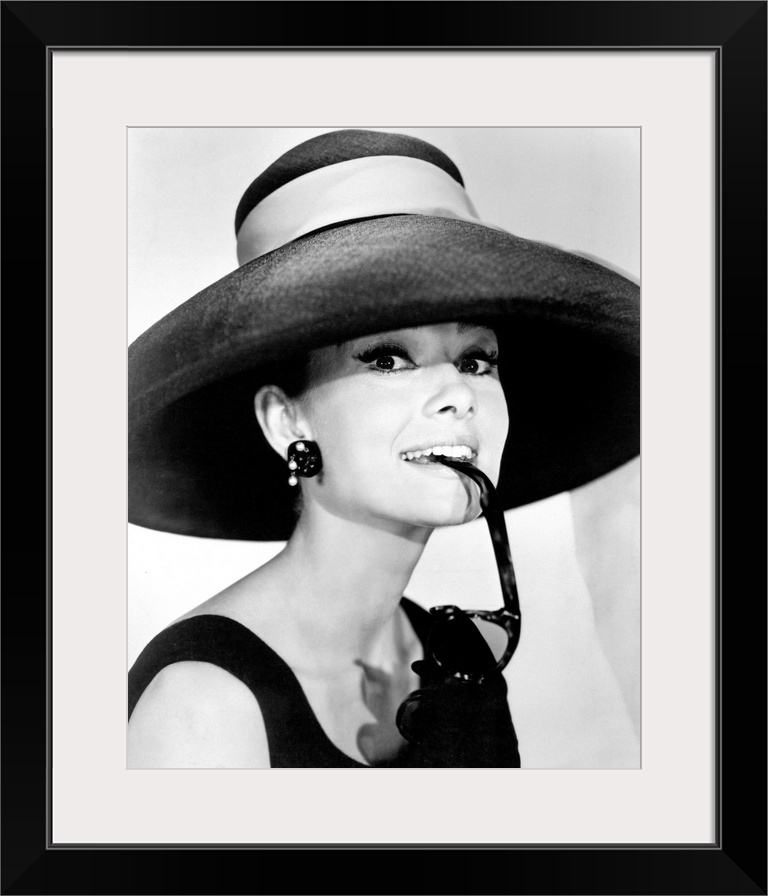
[(421, 620), (294, 735)]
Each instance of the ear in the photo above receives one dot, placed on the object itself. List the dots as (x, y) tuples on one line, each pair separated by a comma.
[(279, 418)]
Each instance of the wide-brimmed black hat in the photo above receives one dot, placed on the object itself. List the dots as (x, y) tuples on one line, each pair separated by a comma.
[(351, 233)]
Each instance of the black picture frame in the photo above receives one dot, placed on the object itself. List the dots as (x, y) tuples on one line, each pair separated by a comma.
[(736, 862)]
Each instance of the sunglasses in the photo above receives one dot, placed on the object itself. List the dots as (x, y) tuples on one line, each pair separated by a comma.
[(470, 645)]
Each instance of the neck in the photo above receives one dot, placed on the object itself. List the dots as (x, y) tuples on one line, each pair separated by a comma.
[(345, 580)]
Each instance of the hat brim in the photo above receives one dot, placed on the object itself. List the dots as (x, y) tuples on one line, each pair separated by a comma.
[(569, 330)]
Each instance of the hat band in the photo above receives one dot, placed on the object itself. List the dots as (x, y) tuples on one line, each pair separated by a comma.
[(358, 188)]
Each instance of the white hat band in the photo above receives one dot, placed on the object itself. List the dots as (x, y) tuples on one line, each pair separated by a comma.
[(358, 188)]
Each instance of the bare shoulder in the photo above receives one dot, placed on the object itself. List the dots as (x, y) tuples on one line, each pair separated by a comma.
[(197, 715)]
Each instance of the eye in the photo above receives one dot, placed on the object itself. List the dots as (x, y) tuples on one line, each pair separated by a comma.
[(386, 358), (478, 363)]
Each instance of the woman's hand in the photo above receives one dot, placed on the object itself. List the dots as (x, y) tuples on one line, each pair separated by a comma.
[(461, 724)]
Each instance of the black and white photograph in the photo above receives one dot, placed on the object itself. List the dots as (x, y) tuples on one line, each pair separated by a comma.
[(384, 447), (396, 402)]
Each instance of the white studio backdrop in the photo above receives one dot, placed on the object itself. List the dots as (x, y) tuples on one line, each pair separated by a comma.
[(577, 188)]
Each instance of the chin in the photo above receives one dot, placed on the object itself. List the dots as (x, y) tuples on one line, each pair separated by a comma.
[(441, 503), (438, 517)]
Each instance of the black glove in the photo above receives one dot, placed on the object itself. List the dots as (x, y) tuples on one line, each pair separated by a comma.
[(453, 723)]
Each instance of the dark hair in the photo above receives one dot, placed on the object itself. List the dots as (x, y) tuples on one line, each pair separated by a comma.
[(290, 375)]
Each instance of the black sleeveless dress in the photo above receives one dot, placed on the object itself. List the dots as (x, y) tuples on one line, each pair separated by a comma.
[(294, 735)]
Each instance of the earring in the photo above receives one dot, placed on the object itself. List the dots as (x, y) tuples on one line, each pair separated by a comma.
[(303, 460)]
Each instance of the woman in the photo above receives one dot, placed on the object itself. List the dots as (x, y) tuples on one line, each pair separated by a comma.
[(374, 325)]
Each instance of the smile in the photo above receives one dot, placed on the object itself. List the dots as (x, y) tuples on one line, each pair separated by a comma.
[(428, 455)]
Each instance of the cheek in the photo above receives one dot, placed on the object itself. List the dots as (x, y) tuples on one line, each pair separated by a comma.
[(495, 427), (354, 431), (496, 418)]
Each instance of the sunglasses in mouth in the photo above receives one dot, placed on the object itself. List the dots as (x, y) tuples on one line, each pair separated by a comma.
[(469, 645)]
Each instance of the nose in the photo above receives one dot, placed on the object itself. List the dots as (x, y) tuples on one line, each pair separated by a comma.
[(451, 394)]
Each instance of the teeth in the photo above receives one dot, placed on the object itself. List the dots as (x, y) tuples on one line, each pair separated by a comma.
[(455, 451)]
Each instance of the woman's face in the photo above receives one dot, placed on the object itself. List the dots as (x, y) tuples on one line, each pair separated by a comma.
[(380, 407)]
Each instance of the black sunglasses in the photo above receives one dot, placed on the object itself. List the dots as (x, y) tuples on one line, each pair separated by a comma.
[(469, 645)]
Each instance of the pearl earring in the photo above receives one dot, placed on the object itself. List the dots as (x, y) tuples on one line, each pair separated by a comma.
[(304, 459)]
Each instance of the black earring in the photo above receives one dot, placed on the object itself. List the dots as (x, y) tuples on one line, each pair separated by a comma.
[(303, 460)]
